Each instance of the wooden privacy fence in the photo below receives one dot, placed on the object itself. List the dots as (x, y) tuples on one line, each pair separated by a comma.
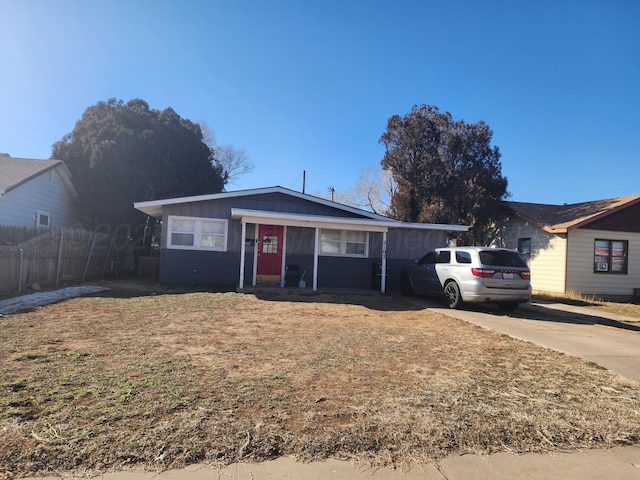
[(57, 255)]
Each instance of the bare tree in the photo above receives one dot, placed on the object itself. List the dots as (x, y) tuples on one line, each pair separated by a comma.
[(373, 191), (235, 163)]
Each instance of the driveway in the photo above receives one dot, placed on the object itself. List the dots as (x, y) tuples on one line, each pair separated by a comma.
[(578, 331)]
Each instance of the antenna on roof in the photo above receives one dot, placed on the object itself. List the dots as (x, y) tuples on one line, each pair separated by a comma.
[(304, 179)]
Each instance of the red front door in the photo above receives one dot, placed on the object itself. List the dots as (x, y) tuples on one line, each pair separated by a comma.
[(270, 238)]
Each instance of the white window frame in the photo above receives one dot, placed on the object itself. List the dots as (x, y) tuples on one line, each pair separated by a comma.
[(39, 215), (343, 244), (198, 232)]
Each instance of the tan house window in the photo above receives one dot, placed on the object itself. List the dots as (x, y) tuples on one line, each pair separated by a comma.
[(610, 256), (524, 246)]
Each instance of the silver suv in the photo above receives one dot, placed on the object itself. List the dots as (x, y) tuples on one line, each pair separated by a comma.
[(470, 274)]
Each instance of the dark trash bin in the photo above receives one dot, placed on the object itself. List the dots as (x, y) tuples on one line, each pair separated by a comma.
[(291, 276)]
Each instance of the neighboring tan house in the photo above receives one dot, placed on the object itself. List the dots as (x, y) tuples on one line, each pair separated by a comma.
[(273, 235), (36, 193), (592, 248)]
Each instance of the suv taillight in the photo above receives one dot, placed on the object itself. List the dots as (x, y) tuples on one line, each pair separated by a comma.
[(483, 272), (490, 272)]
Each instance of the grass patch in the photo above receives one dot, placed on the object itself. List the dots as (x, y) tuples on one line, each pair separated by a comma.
[(167, 380), (597, 304)]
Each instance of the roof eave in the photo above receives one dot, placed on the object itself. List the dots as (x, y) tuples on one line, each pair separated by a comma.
[(148, 205), (603, 214)]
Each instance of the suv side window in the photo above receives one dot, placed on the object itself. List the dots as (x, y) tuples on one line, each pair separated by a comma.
[(443, 257), (463, 257), (429, 258)]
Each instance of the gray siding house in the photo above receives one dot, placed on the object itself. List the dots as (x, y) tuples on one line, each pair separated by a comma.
[(36, 193), (591, 248), (274, 235)]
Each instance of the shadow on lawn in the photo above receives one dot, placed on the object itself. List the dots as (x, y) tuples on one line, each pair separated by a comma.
[(371, 299)]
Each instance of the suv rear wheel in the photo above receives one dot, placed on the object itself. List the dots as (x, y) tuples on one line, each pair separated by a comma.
[(452, 295)]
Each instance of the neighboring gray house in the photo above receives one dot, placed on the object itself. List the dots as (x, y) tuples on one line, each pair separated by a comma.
[(592, 248), (36, 193), (274, 234)]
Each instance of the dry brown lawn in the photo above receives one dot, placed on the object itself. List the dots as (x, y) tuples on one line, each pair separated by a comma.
[(160, 381)]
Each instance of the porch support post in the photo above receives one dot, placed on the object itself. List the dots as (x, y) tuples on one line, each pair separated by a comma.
[(283, 267), (243, 250), (383, 276), (256, 246), (316, 245)]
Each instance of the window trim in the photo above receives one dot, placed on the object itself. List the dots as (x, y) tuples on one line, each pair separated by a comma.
[(343, 244), (597, 269), (198, 232), (521, 243), (39, 215)]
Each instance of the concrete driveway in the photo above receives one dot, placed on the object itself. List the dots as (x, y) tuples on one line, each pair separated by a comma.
[(599, 337)]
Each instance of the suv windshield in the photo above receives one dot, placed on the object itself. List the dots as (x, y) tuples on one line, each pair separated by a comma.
[(501, 258)]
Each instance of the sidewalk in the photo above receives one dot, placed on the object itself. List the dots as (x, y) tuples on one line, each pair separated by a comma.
[(622, 463)]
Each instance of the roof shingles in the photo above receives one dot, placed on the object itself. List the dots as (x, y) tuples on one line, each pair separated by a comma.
[(16, 171), (561, 218)]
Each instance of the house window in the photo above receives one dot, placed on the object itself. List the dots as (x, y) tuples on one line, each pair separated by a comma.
[(191, 233), (347, 243), (43, 219), (610, 256), (524, 247)]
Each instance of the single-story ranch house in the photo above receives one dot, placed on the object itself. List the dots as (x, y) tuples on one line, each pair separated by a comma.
[(274, 235), (592, 248)]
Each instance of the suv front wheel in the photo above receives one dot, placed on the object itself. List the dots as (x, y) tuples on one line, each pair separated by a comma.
[(452, 295)]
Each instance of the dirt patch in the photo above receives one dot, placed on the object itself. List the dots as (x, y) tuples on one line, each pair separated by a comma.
[(163, 379)]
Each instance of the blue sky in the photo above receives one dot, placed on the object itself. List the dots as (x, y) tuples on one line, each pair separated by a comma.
[(310, 85)]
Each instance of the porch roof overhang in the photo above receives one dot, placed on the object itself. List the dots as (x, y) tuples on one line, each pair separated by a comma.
[(344, 223), (310, 221)]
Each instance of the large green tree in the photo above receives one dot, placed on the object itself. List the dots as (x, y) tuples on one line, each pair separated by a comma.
[(120, 153), (446, 171)]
